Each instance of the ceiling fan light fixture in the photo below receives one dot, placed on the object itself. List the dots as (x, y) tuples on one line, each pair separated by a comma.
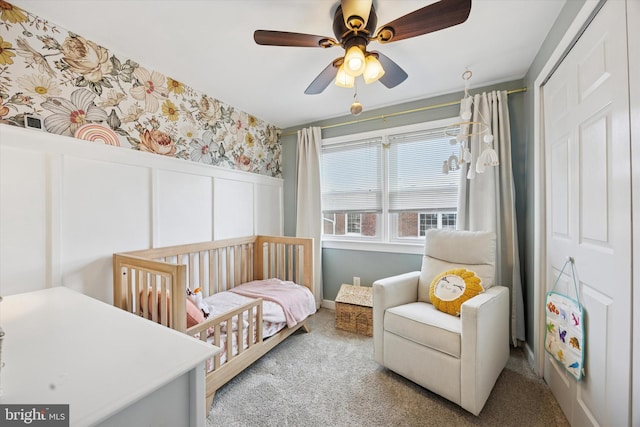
[(343, 79), (356, 13), (354, 27), (373, 69), (354, 61)]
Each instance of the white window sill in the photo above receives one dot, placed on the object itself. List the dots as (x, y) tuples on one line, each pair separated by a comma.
[(401, 248)]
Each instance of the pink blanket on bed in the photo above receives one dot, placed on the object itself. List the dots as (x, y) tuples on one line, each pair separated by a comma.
[(294, 299)]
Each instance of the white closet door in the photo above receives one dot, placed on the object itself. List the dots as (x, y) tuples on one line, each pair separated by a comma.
[(633, 29), (588, 199)]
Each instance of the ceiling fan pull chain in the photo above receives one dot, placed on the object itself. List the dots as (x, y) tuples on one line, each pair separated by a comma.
[(356, 107)]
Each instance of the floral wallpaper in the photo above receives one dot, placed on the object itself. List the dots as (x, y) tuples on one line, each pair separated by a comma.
[(71, 81)]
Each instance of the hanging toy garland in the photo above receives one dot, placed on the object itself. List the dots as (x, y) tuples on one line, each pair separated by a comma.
[(462, 131)]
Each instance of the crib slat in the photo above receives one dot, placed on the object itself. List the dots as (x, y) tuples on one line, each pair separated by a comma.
[(264, 261), (275, 253), (164, 318), (240, 334), (216, 342), (232, 266), (141, 295), (290, 263), (192, 284), (229, 339), (259, 322), (237, 254), (201, 275), (229, 281), (155, 292), (250, 263), (243, 264), (221, 253), (250, 329), (212, 285), (240, 265), (298, 260), (274, 259), (130, 299)]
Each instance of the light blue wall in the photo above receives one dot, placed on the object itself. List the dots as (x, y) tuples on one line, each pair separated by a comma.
[(339, 266)]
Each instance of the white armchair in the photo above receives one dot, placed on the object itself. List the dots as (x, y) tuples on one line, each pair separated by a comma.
[(458, 358)]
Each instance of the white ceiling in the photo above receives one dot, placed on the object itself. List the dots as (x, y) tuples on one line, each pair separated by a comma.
[(208, 44)]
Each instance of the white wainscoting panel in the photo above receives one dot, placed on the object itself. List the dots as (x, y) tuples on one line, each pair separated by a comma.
[(233, 208), (23, 220), (268, 215), (67, 205), (105, 209), (184, 208)]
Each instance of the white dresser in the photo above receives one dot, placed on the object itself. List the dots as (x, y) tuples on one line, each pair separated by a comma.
[(111, 367)]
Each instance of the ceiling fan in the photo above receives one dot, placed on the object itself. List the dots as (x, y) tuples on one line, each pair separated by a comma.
[(354, 26)]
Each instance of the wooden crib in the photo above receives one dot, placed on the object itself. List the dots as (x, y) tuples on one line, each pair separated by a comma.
[(216, 266)]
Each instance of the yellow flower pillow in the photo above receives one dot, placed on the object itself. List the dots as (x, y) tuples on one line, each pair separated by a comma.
[(453, 287)]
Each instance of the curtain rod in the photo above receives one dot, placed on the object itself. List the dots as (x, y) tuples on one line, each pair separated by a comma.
[(399, 113)]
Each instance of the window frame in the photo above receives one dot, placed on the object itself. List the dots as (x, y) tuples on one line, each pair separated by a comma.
[(386, 242)]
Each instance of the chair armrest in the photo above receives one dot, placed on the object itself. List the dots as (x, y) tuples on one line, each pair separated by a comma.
[(485, 345), (390, 292), (395, 290)]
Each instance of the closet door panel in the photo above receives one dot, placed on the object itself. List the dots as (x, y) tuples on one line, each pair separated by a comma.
[(589, 187), (595, 177), (633, 29)]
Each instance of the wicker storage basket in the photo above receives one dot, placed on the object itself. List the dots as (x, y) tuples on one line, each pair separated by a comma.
[(354, 309)]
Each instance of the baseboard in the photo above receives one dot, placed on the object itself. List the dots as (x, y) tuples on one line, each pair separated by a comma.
[(531, 358), (326, 303)]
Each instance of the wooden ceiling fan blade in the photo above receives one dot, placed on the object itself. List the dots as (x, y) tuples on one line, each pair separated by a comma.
[(436, 16), (320, 83), (393, 73), (284, 38)]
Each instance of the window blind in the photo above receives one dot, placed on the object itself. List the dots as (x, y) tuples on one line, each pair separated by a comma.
[(416, 180), (352, 177)]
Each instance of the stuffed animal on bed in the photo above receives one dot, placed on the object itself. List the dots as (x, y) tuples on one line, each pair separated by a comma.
[(196, 297)]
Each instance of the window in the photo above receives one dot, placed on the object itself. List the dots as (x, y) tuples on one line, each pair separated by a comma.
[(389, 186), (449, 220), (352, 188), (436, 220), (353, 223), (427, 221)]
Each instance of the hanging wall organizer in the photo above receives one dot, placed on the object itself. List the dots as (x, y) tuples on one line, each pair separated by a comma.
[(564, 338)]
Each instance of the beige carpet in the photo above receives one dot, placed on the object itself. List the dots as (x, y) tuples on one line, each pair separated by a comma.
[(328, 378)]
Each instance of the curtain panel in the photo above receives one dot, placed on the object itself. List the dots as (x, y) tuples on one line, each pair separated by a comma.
[(487, 194), (309, 199)]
